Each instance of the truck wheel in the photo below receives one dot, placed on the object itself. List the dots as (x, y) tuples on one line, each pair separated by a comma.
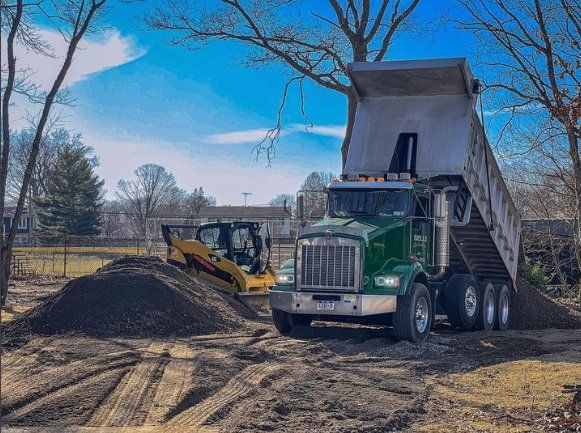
[(502, 308), (413, 317), (282, 321), (462, 301), (301, 320), (487, 312)]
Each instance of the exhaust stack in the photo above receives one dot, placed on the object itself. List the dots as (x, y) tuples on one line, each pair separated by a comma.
[(442, 238)]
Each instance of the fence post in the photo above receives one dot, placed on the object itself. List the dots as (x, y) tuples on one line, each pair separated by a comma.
[(65, 260)]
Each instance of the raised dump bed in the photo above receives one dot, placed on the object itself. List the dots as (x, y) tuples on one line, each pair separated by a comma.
[(433, 101)]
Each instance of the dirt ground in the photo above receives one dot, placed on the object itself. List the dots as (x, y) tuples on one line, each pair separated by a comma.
[(328, 378)]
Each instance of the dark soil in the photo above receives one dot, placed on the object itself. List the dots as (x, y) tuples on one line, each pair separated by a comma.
[(533, 310), (134, 296)]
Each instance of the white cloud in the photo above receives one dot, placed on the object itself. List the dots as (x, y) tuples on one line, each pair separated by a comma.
[(224, 179), (237, 137), (327, 130), (256, 135), (93, 55)]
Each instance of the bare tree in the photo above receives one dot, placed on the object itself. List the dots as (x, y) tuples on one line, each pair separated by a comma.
[(314, 45), (314, 194), (21, 145), (280, 200), (532, 50), (73, 19), (148, 195)]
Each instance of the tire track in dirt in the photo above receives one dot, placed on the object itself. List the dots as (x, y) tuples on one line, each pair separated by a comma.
[(173, 385), (24, 358), (27, 388), (125, 406), (75, 390), (239, 386)]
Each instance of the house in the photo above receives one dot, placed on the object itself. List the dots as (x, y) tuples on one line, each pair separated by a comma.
[(278, 217), (25, 225)]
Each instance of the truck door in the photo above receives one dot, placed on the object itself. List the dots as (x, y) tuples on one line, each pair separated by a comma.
[(421, 231)]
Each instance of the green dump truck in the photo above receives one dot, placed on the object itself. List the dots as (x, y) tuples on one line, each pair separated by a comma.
[(420, 223)]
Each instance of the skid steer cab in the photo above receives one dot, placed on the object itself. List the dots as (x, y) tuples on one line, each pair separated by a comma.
[(232, 255)]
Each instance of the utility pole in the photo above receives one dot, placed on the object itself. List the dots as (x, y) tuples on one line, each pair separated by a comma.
[(246, 194)]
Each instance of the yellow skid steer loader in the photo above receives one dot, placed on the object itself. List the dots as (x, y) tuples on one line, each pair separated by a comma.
[(232, 255)]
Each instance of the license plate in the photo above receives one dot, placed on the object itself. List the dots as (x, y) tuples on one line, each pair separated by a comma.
[(325, 305)]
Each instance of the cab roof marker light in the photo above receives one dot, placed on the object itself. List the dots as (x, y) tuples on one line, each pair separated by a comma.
[(371, 179)]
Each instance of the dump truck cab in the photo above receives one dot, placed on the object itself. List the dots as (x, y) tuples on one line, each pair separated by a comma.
[(374, 242), (420, 222)]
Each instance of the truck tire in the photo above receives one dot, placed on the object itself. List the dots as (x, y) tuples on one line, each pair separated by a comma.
[(413, 316), (301, 319), (462, 301), (502, 308), (487, 310), (282, 321)]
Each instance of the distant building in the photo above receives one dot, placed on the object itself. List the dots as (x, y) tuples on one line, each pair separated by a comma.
[(548, 240), (279, 219), (25, 225)]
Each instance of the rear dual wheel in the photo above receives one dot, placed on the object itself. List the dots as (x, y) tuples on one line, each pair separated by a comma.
[(469, 306), (487, 316), (502, 308), (462, 301)]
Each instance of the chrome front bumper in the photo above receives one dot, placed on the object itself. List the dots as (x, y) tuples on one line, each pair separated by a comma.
[(344, 304)]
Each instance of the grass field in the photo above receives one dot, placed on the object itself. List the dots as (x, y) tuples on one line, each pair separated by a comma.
[(83, 260), (79, 260)]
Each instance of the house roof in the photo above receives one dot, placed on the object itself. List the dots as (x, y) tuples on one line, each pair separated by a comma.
[(243, 212), (10, 210), (559, 227)]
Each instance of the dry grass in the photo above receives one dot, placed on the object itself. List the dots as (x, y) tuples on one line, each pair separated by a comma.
[(79, 260), (516, 393)]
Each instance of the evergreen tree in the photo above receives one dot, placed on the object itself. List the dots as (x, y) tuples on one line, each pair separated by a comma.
[(74, 195)]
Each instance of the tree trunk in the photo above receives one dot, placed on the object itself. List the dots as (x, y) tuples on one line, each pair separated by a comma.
[(351, 110), (576, 161), (6, 247), (5, 262)]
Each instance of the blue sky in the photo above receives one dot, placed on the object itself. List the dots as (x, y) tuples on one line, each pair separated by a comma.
[(200, 113)]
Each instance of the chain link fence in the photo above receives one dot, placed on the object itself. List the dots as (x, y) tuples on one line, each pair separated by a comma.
[(70, 256), (73, 256)]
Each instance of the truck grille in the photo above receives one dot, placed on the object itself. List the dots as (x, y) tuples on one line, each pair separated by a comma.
[(329, 267)]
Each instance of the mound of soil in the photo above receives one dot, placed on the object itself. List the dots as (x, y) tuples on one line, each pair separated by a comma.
[(134, 296), (533, 310)]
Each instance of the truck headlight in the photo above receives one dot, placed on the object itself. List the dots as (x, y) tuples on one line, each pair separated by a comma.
[(386, 281), (285, 278)]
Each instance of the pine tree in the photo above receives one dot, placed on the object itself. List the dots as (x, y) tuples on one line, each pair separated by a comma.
[(74, 195)]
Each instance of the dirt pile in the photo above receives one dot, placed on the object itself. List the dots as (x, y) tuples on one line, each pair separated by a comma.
[(134, 296), (533, 310)]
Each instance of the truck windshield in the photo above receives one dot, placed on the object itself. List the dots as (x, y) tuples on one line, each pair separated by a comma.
[(347, 203)]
